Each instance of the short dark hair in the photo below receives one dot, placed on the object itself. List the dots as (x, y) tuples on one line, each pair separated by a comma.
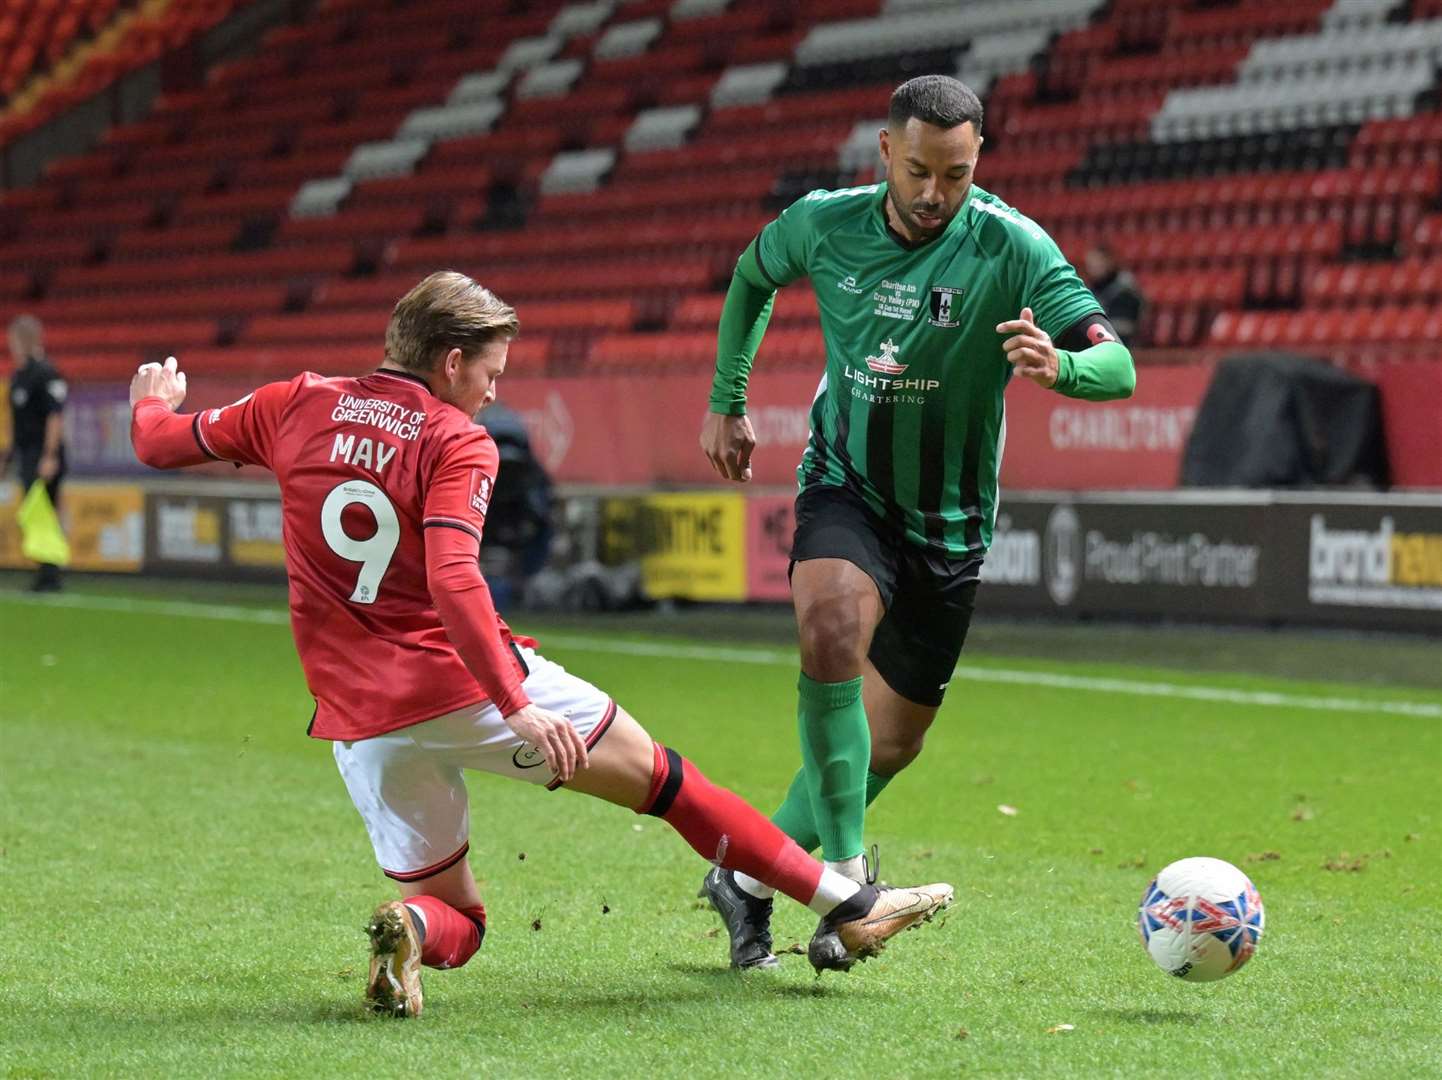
[(938, 100)]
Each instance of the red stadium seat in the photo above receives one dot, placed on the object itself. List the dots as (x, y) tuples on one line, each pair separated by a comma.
[(142, 229), (162, 335)]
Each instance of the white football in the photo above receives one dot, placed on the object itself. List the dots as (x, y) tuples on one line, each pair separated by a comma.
[(1200, 919)]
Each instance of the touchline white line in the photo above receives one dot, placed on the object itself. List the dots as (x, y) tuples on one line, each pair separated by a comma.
[(779, 658)]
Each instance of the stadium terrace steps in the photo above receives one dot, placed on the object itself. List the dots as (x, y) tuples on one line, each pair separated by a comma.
[(131, 38), (368, 325), (703, 311), (1416, 324), (218, 301), (547, 242), (741, 189), (696, 349), (150, 334), (255, 267), (1175, 250), (1427, 236), (35, 34), (142, 231), (1417, 279), (1281, 198), (1405, 141), (703, 157), (385, 221)]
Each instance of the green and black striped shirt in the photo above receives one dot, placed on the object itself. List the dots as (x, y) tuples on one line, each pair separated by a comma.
[(910, 411)]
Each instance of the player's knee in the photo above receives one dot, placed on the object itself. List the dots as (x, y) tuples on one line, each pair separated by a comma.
[(833, 642), (892, 753)]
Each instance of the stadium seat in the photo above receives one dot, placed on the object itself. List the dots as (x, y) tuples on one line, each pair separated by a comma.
[(1258, 166)]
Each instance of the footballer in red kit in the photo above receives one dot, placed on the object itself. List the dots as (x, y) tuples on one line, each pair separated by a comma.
[(385, 483), (367, 466)]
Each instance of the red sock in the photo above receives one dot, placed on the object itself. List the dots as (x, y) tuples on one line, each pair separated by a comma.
[(452, 935), (724, 828)]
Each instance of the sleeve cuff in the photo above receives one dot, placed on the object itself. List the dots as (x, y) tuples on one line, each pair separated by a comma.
[(1065, 371)]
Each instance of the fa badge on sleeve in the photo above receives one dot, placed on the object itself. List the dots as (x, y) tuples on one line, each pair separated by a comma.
[(480, 492)]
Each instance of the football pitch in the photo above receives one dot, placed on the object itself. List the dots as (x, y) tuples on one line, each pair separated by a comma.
[(186, 880)]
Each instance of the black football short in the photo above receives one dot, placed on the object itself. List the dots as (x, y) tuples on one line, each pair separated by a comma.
[(928, 597)]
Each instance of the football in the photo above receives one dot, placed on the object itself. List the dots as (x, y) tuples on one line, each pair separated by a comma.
[(1200, 919)]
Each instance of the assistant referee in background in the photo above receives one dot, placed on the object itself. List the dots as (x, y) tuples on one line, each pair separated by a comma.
[(37, 399)]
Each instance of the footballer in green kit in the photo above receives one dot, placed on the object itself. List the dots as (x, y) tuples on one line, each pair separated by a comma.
[(933, 295)]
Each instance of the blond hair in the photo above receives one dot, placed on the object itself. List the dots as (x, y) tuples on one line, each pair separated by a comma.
[(447, 310)]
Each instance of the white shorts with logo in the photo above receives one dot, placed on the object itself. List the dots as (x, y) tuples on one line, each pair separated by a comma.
[(408, 784)]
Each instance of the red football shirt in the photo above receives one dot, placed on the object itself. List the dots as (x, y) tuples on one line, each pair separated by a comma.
[(365, 465)]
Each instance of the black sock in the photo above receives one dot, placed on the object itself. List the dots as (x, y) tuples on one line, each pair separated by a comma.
[(854, 906)]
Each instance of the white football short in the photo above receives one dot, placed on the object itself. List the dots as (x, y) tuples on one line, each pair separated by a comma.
[(408, 784)]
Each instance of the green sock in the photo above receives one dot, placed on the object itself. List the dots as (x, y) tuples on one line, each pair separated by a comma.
[(794, 816), (835, 750)]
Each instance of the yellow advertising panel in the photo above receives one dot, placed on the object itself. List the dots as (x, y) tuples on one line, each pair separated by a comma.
[(256, 537), (105, 524), (690, 545), (10, 496)]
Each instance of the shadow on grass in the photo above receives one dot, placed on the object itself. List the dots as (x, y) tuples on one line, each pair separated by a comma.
[(706, 984), (1154, 1017), (770, 981)]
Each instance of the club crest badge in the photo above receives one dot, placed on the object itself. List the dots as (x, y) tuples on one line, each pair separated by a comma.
[(945, 306)]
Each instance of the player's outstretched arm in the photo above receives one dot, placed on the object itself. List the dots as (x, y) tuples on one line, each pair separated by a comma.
[(162, 439), (241, 433)]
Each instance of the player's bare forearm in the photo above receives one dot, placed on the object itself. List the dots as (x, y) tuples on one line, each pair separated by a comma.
[(49, 466), (54, 430)]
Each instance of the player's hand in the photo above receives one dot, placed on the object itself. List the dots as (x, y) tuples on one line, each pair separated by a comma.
[(727, 442), (1030, 350), (48, 467), (552, 734), (165, 381)]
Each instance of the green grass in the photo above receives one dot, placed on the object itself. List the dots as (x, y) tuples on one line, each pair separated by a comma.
[(185, 879)]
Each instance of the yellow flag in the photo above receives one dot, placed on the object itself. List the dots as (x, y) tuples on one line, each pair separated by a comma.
[(42, 541)]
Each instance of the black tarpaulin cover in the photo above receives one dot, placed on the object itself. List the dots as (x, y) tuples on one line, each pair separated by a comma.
[(1273, 420)]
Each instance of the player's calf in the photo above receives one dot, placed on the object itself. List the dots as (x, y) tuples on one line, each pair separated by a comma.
[(720, 826), (449, 935)]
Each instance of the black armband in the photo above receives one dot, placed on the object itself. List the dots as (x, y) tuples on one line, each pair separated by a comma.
[(1089, 330)]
